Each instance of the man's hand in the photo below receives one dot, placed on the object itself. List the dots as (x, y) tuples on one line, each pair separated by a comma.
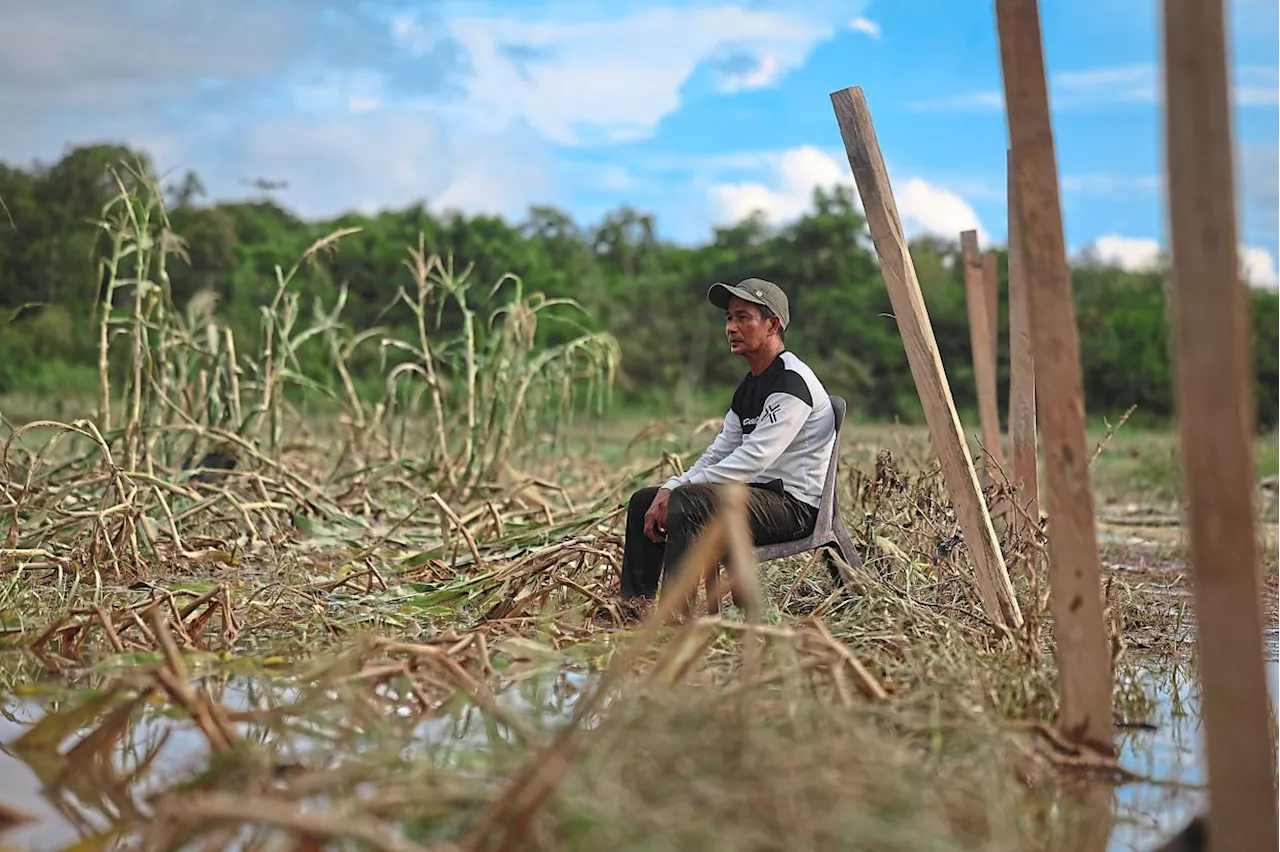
[(655, 520)]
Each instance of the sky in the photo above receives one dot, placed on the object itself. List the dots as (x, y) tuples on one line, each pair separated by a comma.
[(698, 112)]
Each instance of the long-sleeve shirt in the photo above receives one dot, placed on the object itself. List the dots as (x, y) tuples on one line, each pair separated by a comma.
[(779, 427)]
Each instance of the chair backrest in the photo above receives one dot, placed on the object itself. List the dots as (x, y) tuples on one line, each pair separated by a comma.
[(827, 508)]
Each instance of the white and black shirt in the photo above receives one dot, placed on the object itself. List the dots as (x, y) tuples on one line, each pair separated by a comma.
[(780, 427)]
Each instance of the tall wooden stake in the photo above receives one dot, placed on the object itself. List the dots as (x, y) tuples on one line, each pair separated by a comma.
[(991, 289), (1084, 659), (984, 356), (1215, 419), (863, 150), (1022, 380), (991, 278)]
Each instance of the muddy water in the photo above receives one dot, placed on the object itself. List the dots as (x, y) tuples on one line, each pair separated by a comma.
[(1173, 752), (62, 819), (1144, 813)]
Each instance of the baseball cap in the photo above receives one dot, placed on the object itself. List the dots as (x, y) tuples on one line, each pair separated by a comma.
[(755, 290)]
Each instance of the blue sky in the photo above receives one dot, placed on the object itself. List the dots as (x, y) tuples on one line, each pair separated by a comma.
[(697, 111)]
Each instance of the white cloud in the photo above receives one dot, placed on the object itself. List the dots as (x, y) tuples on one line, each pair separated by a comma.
[(63, 70), (379, 159), (789, 190), (613, 79), (761, 71), (239, 89), (1142, 254), (1256, 85), (1133, 254), (432, 104), (980, 100), (866, 26), (1109, 184), (928, 209), (1122, 84), (64, 45), (1258, 267), (332, 91), (1257, 195), (785, 192), (411, 32), (1252, 86)]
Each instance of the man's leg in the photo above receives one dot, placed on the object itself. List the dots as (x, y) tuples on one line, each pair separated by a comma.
[(775, 516), (641, 557), (772, 516), (688, 510)]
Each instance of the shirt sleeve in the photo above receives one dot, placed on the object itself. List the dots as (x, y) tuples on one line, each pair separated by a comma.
[(779, 423), (726, 441)]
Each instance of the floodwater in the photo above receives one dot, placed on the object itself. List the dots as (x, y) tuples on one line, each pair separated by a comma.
[(1144, 813), (1174, 752), (60, 821)]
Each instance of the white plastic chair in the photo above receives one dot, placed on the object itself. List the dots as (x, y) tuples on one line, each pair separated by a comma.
[(829, 529)]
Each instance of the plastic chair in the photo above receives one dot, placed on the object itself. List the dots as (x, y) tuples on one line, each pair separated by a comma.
[(829, 529)]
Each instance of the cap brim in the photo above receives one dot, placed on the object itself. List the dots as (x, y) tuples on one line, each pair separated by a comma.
[(719, 295)]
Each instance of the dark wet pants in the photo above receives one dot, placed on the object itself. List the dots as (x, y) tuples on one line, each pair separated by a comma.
[(773, 516)]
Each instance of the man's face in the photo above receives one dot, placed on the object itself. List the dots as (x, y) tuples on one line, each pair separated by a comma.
[(746, 331)]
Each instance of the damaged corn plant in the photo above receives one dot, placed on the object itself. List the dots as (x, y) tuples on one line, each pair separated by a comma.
[(231, 623), (198, 455)]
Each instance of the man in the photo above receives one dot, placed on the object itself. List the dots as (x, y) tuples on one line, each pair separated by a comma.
[(777, 438)]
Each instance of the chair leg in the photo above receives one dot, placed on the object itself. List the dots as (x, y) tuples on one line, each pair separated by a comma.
[(847, 550), (844, 546), (833, 568), (715, 589), (715, 595)]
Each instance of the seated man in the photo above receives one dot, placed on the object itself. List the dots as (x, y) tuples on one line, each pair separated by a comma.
[(777, 438)]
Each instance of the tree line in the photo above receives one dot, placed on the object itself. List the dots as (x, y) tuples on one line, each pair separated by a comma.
[(647, 292)]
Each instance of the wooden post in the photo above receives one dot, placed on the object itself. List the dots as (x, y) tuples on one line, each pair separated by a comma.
[(991, 282), (995, 443), (984, 357), (869, 173), (1022, 380), (1215, 412), (1084, 657)]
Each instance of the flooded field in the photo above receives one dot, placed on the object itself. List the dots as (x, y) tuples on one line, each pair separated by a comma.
[(227, 623), (160, 750), (1171, 751), (397, 695), (389, 685)]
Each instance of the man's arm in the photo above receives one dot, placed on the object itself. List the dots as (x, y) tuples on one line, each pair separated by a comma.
[(779, 423), (728, 439)]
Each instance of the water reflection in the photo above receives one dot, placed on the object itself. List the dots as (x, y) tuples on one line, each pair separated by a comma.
[(1137, 816), (160, 748), (1173, 753)]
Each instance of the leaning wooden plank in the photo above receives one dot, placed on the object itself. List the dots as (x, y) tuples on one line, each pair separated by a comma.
[(981, 336), (1022, 380), (899, 274), (1215, 412), (1084, 658)]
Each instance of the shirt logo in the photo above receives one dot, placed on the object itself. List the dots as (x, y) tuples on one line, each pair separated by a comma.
[(769, 415)]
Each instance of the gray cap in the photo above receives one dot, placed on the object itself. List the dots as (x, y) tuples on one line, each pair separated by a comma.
[(755, 290)]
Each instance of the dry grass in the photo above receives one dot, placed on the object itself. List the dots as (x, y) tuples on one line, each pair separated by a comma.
[(890, 719), (410, 638)]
